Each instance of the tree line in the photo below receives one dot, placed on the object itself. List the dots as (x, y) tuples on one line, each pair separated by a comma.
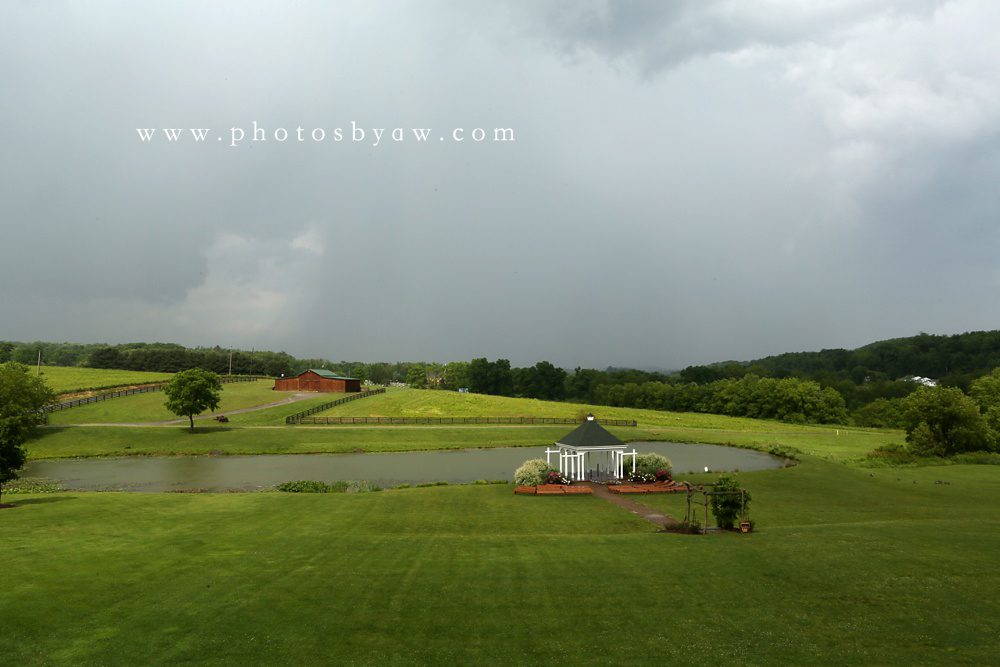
[(173, 358), (862, 386)]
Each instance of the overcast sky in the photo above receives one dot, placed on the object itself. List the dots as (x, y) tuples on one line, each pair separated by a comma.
[(688, 182)]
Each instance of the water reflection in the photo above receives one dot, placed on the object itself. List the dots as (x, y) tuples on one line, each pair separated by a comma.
[(222, 473)]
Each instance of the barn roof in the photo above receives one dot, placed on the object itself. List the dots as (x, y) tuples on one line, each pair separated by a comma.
[(329, 375), (590, 434)]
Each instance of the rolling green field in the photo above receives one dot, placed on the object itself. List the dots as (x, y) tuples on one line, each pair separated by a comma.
[(848, 566), (839, 443), (70, 379), (845, 569), (149, 407)]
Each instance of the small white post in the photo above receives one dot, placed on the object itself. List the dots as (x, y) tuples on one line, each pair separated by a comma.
[(547, 453)]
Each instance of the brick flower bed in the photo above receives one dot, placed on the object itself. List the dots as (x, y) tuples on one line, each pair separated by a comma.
[(656, 487), (552, 490)]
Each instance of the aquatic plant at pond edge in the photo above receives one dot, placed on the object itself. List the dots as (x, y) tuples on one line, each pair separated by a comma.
[(339, 486)]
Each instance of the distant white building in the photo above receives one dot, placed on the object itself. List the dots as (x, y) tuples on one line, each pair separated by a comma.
[(927, 382)]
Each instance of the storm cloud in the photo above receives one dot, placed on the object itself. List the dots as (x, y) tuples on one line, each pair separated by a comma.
[(681, 183)]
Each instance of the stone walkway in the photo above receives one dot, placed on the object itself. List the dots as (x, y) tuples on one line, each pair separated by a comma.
[(655, 517)]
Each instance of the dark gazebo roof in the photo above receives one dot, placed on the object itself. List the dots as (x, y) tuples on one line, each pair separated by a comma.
[(590, 434)]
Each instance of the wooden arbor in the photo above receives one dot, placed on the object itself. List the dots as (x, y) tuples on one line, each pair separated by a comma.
[(590, 452), (706, 501)]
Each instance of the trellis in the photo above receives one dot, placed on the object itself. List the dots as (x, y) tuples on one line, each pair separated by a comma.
[(691, 490)]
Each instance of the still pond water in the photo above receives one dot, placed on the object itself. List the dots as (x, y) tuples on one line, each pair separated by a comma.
[(230, 473)]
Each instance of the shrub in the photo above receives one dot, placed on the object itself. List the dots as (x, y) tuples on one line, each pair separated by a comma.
[(726, 509), (339, 486), (34, 485), (362, 486), (783, 451), (978, 458), (303, 486), (653, 464), (692, 527), (532, 473), (891, 454)]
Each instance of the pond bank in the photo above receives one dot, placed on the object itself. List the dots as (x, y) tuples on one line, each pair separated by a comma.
[(249, 473)]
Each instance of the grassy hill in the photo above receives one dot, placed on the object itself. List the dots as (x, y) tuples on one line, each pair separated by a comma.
[(72, 379), (846, 569)]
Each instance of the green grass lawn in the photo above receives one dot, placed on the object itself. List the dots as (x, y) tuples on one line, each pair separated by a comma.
[(845, 569), (149, 407), (848, 566), (64, 379)]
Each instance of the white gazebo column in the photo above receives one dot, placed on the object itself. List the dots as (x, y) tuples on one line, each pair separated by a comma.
[(548, 452)]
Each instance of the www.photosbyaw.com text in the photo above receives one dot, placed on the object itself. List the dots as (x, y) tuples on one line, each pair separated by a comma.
[(373, 136)]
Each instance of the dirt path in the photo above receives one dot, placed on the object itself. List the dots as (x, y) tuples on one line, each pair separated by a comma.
[(655, 517)]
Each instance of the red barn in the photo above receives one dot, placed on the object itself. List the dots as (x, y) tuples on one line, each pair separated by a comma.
[(317, 380)]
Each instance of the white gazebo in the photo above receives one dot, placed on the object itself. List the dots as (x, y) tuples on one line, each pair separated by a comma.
[(590, 452)]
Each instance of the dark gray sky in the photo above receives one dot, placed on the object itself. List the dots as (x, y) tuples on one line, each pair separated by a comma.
[(688, 182)]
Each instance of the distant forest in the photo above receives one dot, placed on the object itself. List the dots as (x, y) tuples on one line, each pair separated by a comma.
[(829, 386)]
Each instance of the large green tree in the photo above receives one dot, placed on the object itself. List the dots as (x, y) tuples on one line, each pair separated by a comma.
[(22, 396), (456, 374), (986, 392), (490, 377), (416, 377), (191, 392), (543, 380), (941, 421)]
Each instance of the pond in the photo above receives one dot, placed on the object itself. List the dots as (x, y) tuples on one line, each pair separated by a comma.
[(247, 473)]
